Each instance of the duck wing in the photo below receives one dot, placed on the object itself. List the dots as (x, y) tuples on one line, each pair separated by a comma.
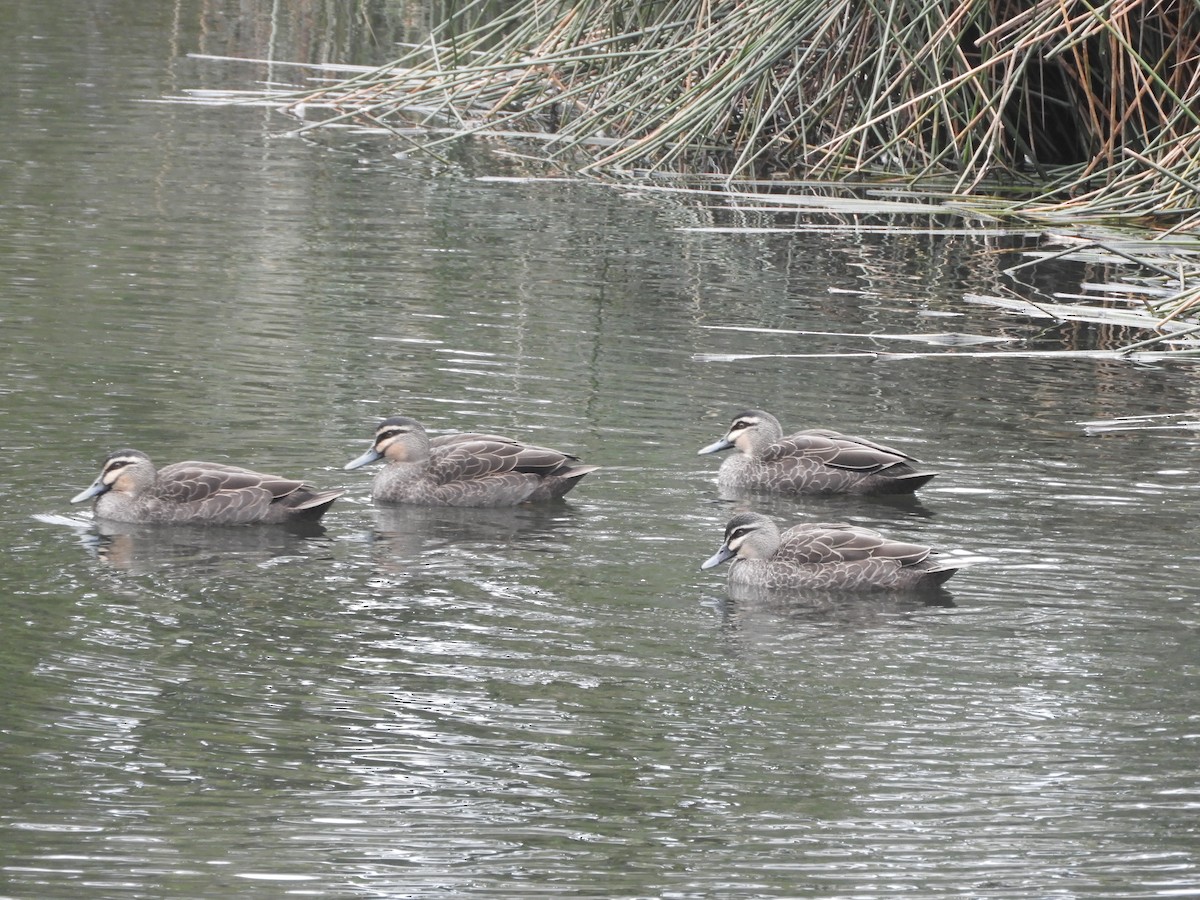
[(838, 436), (827, 543), (484, 456), (215, 483), (837, 450), (446, 440)]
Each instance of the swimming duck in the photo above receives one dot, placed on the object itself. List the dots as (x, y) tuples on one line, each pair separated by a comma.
[(464, 469), (817, 461), (130, 489), (824, 556)]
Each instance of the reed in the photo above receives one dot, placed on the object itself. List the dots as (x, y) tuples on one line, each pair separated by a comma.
[(1089, 107)]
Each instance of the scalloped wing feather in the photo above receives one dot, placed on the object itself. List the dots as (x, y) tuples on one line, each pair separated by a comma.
[(828, 543), (839, 436), (446, 440), (483, 457), (190, 482), (839, 451)]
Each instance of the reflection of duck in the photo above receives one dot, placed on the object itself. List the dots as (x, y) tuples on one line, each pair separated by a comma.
[(751, 609), (130, 489), (144, 548), (824, 557), (408, 531), (887, 511), (817, 461), (464, 469)]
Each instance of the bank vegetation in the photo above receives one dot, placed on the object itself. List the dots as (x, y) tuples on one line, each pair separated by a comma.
[(1072, 107)]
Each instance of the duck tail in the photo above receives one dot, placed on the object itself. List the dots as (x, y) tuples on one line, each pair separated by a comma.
[(577, 471), (560, 483), (936, 576), (315, 505), (906, 484)]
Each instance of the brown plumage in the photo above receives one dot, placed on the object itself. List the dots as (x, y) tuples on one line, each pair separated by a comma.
[(816, 461), (824, 556), (130, 489), (464, 469)]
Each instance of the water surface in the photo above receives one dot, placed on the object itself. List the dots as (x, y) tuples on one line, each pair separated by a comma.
[(548, 700)]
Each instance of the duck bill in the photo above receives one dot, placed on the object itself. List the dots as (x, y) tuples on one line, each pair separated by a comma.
[(716, 447), (97, 487), (719, 557), (365, 460)]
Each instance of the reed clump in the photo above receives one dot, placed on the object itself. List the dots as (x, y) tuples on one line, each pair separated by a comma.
[(1089, 107)]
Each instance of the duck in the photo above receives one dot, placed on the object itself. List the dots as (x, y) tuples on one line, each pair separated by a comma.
[(824, 556), (465, 469), (130, 489), (816, 461)]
